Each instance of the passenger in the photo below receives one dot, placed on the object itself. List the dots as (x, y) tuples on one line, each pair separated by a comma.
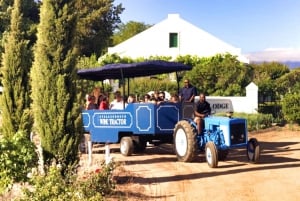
[(141, 99), (131, 99), (174, 98), (147, 98), (118, 102), (161, 97), (202, 110), (155, 95), (91, 103), (86, 101), (153, 100), (104, 105), (97, 93)]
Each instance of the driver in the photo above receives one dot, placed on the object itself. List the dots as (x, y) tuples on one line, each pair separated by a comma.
[(201, 111)]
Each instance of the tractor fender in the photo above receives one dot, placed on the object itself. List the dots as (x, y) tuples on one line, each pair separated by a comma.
[(191, 122)]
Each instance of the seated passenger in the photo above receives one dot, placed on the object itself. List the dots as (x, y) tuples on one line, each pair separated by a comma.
[(131, 99), (155, 95), (153, 100), (97, 93), (161, 97), (147, 98), (91, 103), (174, 98), (104, 105), (118, 102)]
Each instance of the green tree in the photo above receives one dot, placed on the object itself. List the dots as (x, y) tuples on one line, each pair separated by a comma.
[(265, 76), (220, 75), (268, 71), (30, 15), (55, 105), (288, 83), (5, 13), (97, 20), (16, 64), (128, 30)]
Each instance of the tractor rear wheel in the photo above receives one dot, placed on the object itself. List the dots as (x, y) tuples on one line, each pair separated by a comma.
[(211, 154), (126, 146), (185, 142), (253, 150)]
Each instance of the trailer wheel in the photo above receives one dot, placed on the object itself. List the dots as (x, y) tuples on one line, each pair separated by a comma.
[(253, 150), (185, 141), (140, 145), (126, 146), (211, 154)]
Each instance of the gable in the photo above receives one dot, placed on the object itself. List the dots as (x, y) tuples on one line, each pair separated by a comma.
[(191, 40)]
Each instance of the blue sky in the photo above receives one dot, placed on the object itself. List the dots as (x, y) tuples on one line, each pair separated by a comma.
[(252, 25)]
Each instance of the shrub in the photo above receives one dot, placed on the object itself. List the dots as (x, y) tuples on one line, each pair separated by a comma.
[(255, 121), (55, 186), (98, 182), (291, 107), (273, 108), (17, 157)]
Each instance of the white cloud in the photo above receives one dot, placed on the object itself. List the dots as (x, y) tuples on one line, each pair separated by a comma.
[(276, 54)]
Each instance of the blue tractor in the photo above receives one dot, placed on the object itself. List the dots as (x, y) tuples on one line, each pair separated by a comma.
[(141, 123), (219, 136)]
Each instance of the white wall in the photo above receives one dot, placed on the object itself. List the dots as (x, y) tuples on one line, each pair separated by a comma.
[(247, 104)]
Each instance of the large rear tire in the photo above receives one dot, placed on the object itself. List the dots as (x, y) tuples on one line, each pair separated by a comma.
[(185, 142), (126, 146), (211, 154), (253, 150)]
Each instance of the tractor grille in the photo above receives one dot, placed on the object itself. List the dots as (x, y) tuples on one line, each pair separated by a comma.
[(237, 133)]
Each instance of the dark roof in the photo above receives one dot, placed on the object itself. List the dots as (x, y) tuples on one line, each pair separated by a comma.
[(139, 69)]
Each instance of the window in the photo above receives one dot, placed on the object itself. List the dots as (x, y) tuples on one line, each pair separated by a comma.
[(173, 40)]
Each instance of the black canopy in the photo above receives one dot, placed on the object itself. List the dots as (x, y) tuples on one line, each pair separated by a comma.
[(139, 69)]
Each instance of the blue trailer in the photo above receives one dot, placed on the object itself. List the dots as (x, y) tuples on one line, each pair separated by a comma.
[(139, 123), (134, 126)]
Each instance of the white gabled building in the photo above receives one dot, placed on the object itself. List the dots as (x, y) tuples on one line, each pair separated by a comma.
[(173, 37)]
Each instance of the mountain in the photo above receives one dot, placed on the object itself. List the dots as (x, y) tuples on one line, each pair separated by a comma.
[(287, 56), (292, 64)]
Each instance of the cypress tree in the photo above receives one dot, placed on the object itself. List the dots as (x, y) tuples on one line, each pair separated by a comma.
[(56, 111), (16, 63)]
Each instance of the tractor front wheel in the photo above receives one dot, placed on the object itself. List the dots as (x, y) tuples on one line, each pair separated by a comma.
[(126, 146), (253, 150), (185, 141), (211, 154)]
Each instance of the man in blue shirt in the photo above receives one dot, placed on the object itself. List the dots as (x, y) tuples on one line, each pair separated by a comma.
[(188, 92)]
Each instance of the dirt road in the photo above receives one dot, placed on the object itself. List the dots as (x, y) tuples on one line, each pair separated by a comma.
[(156, 174)]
